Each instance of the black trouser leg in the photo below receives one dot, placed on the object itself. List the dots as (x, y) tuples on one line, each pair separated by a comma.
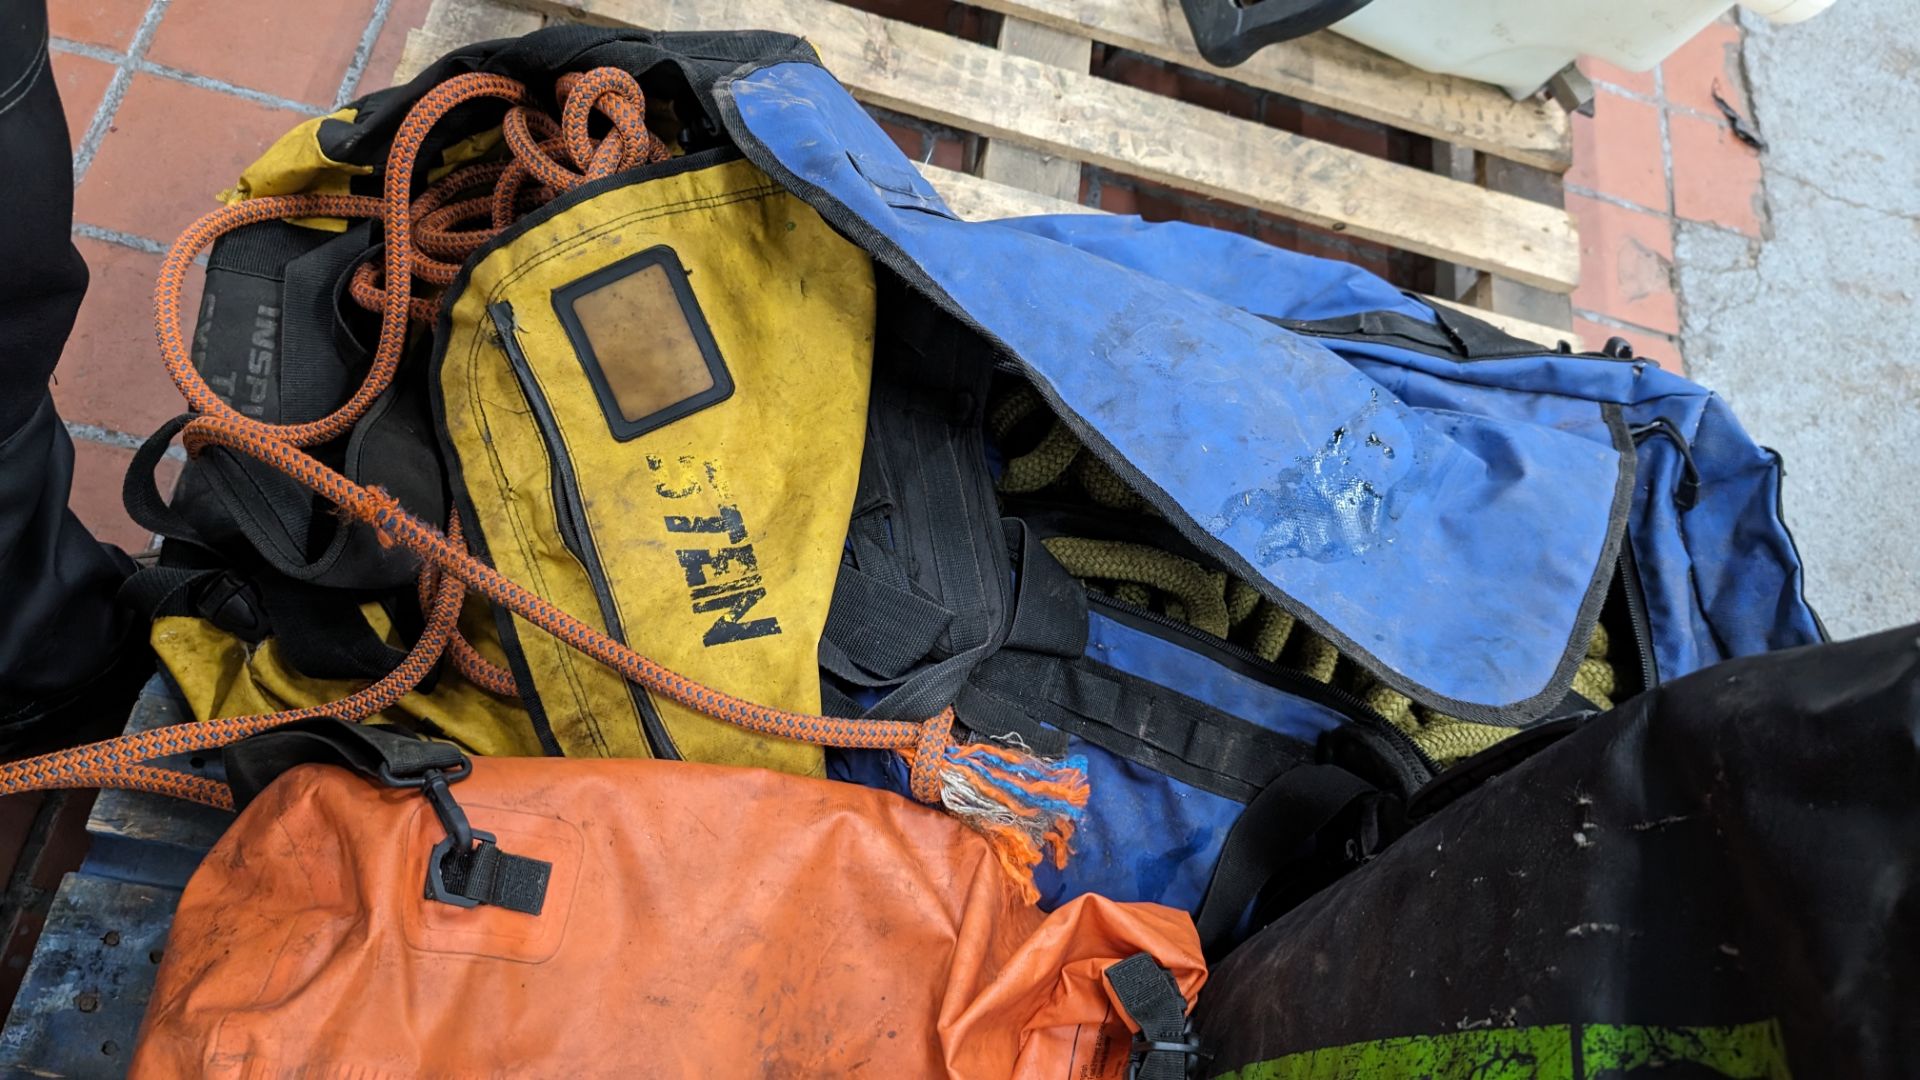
[(67, 651)]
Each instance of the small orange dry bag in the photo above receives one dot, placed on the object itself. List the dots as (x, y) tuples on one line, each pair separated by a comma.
[(631, 918)]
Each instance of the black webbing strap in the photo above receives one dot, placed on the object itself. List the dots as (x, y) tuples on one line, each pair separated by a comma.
[(486, 875), (324, 634), (1142, 721), (1164, 1048), (876, 631), (1273, 831), (929, 471), (1050, 607), (376, 753), (466, 869), (317, 358), (154, 591), (1481, 340)]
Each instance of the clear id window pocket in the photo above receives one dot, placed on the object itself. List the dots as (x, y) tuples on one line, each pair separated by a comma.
[(639, 333)]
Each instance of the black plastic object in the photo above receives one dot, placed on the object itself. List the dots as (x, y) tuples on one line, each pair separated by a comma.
[(1713, 881), (1228, 31)]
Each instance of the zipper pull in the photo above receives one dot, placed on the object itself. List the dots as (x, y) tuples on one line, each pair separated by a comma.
[(1687, 492)]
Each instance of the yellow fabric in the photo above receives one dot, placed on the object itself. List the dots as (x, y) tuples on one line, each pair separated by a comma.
[(294, 165), (220, 676), (471, 148), (791, 308)]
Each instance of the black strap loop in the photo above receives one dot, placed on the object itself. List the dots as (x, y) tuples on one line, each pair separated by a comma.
[(467, 868), (1165, 1047), (484, 874), (1275, 830), (392, 757)]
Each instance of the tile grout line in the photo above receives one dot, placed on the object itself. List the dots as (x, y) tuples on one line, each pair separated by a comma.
[(119, 440), (109, 106), (115, 236), (1614, 322), (1666, 148), (90, 51), (131, 64), (1612, 200), (1672, 216), (1657, 98), (221, 86), (363, 53)]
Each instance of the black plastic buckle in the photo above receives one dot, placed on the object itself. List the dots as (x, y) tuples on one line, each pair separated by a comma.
[(452, 776), (1192, 1055), (462, 838)]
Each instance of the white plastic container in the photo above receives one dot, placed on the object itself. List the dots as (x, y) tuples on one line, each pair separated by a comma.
[(1522, 44)]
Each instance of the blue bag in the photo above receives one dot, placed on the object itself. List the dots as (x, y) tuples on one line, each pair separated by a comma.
[(1449, 508)]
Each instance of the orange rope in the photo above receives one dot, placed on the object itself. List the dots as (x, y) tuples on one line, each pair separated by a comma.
[(1001, 790)]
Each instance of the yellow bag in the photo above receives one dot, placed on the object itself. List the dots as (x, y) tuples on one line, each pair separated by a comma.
[(655, 397), (620, 379)]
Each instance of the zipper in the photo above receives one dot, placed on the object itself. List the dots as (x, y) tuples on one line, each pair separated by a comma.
[(571, 516), (1429, 348), (1687, 492), (1780, 515), (1250, 663), (1638, 625)]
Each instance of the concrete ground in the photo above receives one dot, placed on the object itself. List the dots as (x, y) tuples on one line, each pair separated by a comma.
[(1811, 330)]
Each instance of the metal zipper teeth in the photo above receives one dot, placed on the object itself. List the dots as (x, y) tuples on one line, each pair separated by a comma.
[(1637, 622), (1279, 678), (567, 494)]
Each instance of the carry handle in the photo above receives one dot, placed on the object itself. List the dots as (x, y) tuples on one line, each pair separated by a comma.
[(466, 868)]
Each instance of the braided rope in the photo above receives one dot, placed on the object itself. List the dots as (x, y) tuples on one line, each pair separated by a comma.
[(1020, 804)]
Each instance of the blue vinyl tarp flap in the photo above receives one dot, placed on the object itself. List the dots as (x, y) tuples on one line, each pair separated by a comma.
[(1459, 555)]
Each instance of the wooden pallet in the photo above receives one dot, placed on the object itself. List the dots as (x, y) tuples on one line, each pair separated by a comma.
[(1489, 212)]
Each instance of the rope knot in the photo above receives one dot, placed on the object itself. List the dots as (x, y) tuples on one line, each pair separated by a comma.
[(929, 755), (1025, 805)]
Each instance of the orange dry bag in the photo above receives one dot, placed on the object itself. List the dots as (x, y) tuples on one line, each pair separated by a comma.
[(418, 914)]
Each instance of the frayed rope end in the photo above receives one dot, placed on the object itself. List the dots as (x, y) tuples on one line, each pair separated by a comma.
[(1026, 806)]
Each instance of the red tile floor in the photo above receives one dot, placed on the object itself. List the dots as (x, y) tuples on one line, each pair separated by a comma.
[(164, 108), (1658, 148)]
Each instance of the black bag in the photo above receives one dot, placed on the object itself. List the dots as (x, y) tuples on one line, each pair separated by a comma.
[(1718, 878)]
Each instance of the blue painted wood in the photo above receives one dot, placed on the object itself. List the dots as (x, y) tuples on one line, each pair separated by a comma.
[(81, 1002), (80, 1006), (152, 839)]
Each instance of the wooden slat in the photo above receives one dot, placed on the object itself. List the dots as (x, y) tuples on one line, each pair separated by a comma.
[(1525, 329), (1016, 165), (973, 86), (971, 197), (1511, 297), (153, 839), (453, 23), (977, 199), (1327, 69), (466, 21)]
